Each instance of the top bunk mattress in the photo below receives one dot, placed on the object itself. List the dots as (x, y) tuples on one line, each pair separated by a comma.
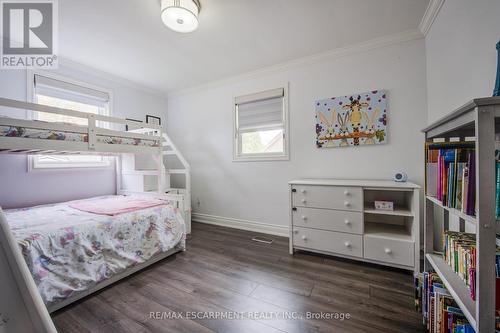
[(48, 134), (69, 250)]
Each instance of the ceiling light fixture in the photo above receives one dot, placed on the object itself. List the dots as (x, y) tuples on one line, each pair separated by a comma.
[(180, 15)]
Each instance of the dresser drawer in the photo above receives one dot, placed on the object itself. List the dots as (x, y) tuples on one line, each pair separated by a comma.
[(333, 197), (329, 241), (326, 219), (389, 250)]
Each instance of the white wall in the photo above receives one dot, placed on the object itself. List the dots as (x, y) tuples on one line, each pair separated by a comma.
[(461, 64), (19, 188), (461, 55), (200, 123)]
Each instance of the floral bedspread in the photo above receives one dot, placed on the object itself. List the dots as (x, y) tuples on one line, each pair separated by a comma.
[(33, 133), (69, 251)]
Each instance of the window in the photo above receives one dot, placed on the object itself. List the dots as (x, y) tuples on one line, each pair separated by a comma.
[(261, 131), (58, 93)]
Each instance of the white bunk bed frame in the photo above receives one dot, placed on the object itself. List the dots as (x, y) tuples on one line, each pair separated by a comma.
[(139, 130)]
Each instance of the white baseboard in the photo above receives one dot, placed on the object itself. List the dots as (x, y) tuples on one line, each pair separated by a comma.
[(265, 228)]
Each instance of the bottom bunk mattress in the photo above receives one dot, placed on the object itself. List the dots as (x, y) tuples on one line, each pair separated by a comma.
[(69, 250)]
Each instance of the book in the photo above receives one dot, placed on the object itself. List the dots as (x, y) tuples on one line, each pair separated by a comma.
[(451, 183), (450, 178), (471, 191), (465, 188), (432, 179), (440, 311), (455, 178), (460, 253), (459, 189), (442, 299)]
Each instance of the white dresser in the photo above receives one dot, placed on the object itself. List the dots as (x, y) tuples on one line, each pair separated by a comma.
[(338, 217)]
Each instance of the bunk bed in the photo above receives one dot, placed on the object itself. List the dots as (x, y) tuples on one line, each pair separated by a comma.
[(75, 248)]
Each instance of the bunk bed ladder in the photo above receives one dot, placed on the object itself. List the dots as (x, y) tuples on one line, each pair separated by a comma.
[(139, 173), (169, 151)]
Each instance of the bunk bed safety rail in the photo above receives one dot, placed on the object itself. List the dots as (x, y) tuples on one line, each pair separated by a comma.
[(10, 103), (141, 130)]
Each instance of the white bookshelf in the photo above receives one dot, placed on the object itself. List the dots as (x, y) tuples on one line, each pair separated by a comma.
[(479, 119), (453, 211)]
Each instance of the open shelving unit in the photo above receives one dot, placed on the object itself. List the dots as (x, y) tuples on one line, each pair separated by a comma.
[(389, 231), (480, 118), (398, 211), (338, 217), (398, 229)]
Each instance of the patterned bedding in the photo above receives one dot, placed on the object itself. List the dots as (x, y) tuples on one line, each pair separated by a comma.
[(69, 251), (35, 133)]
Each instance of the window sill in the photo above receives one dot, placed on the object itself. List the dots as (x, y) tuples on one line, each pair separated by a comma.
[(32, 167), (257, 158)]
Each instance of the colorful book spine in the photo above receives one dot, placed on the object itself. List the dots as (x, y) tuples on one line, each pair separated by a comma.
[(458, 195), (440, 311), (471, 198), (465, 188), (456, 182), (440, 177), (460, 253)]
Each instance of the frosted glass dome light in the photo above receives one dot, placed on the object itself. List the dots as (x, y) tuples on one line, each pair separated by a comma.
[(180, 15)]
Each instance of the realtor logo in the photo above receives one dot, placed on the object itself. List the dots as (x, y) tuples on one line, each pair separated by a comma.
[(28, 34)]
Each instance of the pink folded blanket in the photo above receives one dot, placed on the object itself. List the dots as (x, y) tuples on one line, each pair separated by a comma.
[(116, 205)]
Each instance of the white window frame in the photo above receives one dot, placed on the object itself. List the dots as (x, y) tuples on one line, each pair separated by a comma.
[(33, 162), (280, 156)]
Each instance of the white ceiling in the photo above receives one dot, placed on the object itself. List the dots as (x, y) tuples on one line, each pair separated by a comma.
[(127, 38)]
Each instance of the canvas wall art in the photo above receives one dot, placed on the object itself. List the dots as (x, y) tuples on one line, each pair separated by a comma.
[(360, 119)]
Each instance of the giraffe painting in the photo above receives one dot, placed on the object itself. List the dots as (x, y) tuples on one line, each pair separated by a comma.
[(354, 120)]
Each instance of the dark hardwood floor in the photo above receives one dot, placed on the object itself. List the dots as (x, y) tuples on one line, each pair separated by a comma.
[(225, 273)]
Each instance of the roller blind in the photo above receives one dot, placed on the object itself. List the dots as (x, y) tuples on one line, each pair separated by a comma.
[(63, 90), (259, 111)]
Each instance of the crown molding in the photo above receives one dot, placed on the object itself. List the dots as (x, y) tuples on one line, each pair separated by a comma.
[(430, 15), (333, 54), (71, 64)]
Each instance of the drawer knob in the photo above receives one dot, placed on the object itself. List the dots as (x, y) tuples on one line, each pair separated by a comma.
[(347, 193), (304, 217), (347, 244), (304, 237), (302, 191), (295, 231), (387, 251), (347, 222), (347, 203), (303, 201)]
